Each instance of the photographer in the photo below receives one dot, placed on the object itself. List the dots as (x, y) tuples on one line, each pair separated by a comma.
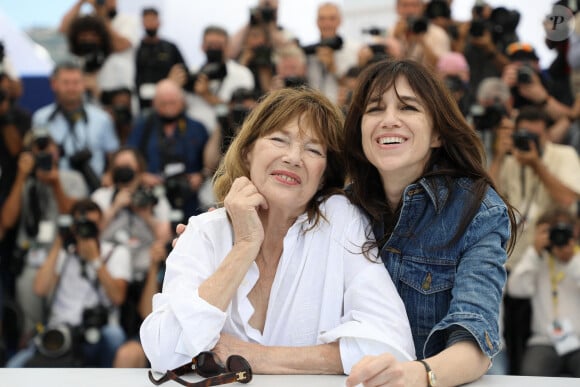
[(155, 57), (486, 37), (257, 55), (87, 278), (549, 274), (420, 40), (83, 131), (135, 217), (529, 86), (119, 68), (39, 195), (173, 146), (329, 59), (535, 174), (218, 77), (264, 15), (290, 68)]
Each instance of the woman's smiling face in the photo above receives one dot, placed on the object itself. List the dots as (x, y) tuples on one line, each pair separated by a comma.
[(397, 132), (287, 166)]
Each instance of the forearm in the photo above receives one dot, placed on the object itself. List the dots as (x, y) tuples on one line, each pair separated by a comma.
[(458, 364), (115, 289), (63, 201), (11, 208), (556, 109), (149, 289), (559, 192), (68, 17), (317, 359), (219, 289), (46, 276)]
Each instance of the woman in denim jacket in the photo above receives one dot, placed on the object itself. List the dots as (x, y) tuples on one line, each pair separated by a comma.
[(417, 170)]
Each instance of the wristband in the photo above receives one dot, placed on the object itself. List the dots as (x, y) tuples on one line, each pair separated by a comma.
[(96, 264), (431, 379)]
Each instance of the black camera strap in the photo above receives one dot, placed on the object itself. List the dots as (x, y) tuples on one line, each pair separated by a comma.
[(71, 119)]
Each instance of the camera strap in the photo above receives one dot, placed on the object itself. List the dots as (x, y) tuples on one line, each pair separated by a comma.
[(71, 119)]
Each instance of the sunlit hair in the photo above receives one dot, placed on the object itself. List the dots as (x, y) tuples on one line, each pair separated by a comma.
[(461, 153), (313, 111)]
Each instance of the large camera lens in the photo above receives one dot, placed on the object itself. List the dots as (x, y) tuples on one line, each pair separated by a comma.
[(560, 234)]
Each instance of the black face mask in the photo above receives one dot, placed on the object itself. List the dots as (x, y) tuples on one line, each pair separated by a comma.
[(214, 56), (151, 32), (86, 48), (112, 13), (123, 175), (169, 119)]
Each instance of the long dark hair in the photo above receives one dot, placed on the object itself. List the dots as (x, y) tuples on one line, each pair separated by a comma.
[(461, 153)]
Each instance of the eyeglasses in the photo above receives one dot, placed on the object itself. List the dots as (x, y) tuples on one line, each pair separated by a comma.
[(237, 369)]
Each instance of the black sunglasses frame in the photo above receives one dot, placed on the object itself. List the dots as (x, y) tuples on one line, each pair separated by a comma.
[(237, 370)]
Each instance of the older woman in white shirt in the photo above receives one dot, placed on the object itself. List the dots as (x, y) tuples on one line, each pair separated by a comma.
[(281, 274)]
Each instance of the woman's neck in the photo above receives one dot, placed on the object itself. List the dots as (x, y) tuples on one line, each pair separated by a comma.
[(394, 185)]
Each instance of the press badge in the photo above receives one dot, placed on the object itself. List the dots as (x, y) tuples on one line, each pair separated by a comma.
[(563, 337), (46, 232)]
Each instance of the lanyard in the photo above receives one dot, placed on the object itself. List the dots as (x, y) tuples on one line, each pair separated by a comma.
[(555, 279)]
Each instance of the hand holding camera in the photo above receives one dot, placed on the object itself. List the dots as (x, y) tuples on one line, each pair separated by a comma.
[(25, 164), (541, 237), (526, 147)]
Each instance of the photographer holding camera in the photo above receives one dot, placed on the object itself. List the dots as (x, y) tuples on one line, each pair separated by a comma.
[(39, 195), (134, 216), (530, 86), (420, 40), (87, 278), (535, 174), (549, 274), (83, 131), (173, 146), (118, 70), (330, 58)]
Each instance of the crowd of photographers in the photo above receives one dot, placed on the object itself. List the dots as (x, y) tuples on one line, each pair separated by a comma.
[(93, 184)]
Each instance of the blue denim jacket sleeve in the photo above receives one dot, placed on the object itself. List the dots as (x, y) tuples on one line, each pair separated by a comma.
[(446, 286), (480, 278)]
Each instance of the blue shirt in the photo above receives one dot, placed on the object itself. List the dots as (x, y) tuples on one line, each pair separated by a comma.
[(95, 131), (446, 287), (185, 145)]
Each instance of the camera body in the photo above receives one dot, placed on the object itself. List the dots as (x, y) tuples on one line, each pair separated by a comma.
[(295, 82), (335, 43), (417, 25), (262, 56), (264, 14), (489, 117), (522, 138), (177, 190), (524, 74), (85, 228), (560, 234), (43, 161), (143, 197)]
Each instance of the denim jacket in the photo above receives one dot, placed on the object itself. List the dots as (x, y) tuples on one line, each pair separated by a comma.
[(448, 287)]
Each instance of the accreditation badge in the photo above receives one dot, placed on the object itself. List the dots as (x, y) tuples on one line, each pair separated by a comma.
[(563, 338)]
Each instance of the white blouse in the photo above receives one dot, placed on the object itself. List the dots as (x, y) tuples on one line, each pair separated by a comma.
[(324, 290)]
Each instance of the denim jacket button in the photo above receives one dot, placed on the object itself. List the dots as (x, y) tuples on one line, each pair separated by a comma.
[(427, 282)]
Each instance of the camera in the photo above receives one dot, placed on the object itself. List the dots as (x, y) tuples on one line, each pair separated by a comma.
[(43, 161), (212, 70), (295, 82), (143, 197), (489, 117), (334, 43), (417, 25), (85, 228), (522, 138), (177, 190), (454, 83), (524, 74), (259, 15), (57, 341), (80, 162), (560, 234), (93, 320), (262, 56)]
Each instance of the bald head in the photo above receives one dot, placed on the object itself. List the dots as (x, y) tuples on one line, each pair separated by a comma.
[(169, 99), (328, 20)]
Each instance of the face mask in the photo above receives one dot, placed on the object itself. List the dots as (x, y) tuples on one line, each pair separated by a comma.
[(112, 13), (123, 175), (85, 48), (169, 119), (214, 56), (151, 32)]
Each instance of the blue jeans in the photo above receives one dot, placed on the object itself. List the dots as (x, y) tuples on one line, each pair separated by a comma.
[(100, 354)]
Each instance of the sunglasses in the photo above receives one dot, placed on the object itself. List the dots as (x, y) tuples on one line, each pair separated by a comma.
[(237, 369)]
